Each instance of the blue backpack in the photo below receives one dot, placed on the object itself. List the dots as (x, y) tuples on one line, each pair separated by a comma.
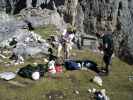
[(72, 65)]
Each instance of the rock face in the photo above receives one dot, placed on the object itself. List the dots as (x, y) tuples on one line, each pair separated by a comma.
[(116, 15), (34, 17), (38, 17), (15, 6), (8, 25), (28, 42), (105, 15), (88, 16)]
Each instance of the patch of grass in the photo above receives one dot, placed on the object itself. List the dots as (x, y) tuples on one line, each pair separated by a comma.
[(45, 31), (117, 84)]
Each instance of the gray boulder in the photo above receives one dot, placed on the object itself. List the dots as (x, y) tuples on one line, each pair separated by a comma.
[(38, 17), (8, 25), (26, 51), (29, 43)]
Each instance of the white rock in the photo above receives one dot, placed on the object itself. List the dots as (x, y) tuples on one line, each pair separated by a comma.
[(93, 90), (3, 56), (35, 63), (21, 59), (77, 92), (7, 75), (45, 60), (16, 63), (98, 80), (89, 90)]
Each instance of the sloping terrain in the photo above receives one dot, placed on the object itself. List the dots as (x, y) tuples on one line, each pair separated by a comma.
[(70, 85)]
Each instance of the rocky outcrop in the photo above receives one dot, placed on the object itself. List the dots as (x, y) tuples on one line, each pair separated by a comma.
[(15, 6), (38, 17), (26, 42), (29, 18), (88, 16), (71, 11), (91, 16), (116, 15), (8, 25), (29, 43)]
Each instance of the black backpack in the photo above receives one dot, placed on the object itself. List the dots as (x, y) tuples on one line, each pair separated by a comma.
[(28, 70), (107, 39)]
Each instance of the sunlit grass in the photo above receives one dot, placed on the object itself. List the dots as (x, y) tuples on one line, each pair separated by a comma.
[(117, 85), (46, 31)]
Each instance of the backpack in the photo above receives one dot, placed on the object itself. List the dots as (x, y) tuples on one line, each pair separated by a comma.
[(28, 70), (107, 39), (72, 65), (89, 65)]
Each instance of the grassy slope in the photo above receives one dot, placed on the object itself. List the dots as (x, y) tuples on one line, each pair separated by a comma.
[(45, 31), (117, 84)]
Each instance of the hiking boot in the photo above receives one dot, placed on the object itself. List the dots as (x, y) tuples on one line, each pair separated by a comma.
[(103, 72)]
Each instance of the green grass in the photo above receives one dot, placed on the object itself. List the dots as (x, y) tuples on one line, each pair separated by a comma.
[(45, 31), (117, 85)]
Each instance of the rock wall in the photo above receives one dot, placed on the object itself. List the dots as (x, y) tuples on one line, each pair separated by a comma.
[(15, 6), (89, 16), (116, 15)]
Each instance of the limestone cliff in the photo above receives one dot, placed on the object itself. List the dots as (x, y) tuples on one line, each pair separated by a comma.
[(89, 16), (116, 15)]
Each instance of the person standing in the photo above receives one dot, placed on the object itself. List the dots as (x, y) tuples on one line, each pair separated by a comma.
[(65, 43), (107, 47)]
